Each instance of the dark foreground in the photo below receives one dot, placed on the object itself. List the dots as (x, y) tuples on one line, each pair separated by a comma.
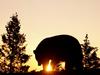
[(87, 72)]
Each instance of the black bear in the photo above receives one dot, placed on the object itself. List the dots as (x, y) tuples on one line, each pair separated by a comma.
[(60, 48)]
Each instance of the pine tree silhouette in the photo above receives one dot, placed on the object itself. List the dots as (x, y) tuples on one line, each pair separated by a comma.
[(90, 59), (12, 52)]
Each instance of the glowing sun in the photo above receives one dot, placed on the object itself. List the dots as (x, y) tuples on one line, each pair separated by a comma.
[(49, 66)]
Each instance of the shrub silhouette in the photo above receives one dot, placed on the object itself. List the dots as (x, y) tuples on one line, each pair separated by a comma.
[(60, 48)]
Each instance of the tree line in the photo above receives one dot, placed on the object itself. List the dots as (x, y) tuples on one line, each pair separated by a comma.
[(12, 51)]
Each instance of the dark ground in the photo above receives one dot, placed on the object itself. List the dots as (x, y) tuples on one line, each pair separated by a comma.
[(86, 72)]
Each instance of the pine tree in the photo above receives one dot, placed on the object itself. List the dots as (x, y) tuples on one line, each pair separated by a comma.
[(12, 52), (90, 59)]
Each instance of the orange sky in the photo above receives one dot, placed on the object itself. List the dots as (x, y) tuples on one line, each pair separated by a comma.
[(43, 18)]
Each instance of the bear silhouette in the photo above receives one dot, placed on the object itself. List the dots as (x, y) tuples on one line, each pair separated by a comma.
[(60, 48)]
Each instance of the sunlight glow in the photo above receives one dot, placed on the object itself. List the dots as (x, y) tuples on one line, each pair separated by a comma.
[(49, 66), (60, 66)]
